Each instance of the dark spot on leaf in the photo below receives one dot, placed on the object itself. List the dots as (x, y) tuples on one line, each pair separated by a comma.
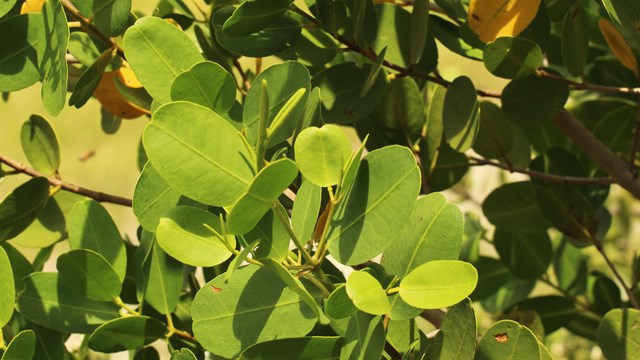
[(476, 17), (349, 112), (502, 337)]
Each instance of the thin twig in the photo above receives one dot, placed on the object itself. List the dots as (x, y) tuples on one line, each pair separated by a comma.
[(544, 176), (96, 195), (87, 25)]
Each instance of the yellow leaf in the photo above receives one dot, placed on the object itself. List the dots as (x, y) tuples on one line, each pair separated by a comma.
[(490, 19), (127, 77), (31, 6), (111, 99), (618, 46)]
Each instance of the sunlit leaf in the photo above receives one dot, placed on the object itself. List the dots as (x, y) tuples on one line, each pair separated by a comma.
[(490, 19)]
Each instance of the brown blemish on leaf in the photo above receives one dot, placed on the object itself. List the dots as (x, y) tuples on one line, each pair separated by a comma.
[(502, 337), (216, 289)]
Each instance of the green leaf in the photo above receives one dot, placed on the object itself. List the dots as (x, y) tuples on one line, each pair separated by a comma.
[(49, 343), (400, 310), (284, 81), (332, 14), (272, 236), (163, 280), (433, 232), (364, 339), (110, 16), (394, 31), (554, 311), (403, 335), (50, 225), (496, 135), (462, 114), (356, 233), (419, 25), (533, 101), (513, 207), (340, 87), (253, 16), (458, 339), (183, 235), (183, 354), (152, 197), (507, 339), (367, 294), (492, 275), (265, 189), (575, 39), (448, 34), (212, 172), (568, 210), (7, 289), (6, 6), (158, 52), (23, 47), (253, 306), (305, 210), (373, 73), (87, 49), (618, 334), (322, 153), (294, 283), (603, 293), (512, 291), (54, 67), (40, 144), (49, 302), (398, 119), (208, 84), (20, 267), (90, 78), (21, 347), (275, 38), (625, 14), (305, 348), (438, 284), (90, 227), (89, 275), (126, 333), (512, 57), (21, 206), (526, 254), (338, 305), (570, 267), (433, 95)]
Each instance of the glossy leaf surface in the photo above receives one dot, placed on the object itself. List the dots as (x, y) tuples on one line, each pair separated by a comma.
[(206, 161), (183, 235), (438, 284)]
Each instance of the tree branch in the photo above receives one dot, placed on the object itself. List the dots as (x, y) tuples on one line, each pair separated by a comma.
[(584, 86), (545, 176), (612, 266), (598, 152), (96, 195), (87, 25), (636, 140)]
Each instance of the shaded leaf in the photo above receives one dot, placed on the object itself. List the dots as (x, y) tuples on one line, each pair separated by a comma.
[(126, 333), (40, 144)]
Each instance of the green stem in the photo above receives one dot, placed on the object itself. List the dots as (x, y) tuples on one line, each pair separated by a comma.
[(284, 219), (393, 290), (118, 301)]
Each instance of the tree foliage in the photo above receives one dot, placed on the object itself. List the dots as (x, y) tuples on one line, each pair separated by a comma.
[(264, 234)]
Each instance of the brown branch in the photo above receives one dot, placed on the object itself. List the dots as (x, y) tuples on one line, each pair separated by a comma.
[(96, 195), (89, 27), (544, 176), (598, 152)]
